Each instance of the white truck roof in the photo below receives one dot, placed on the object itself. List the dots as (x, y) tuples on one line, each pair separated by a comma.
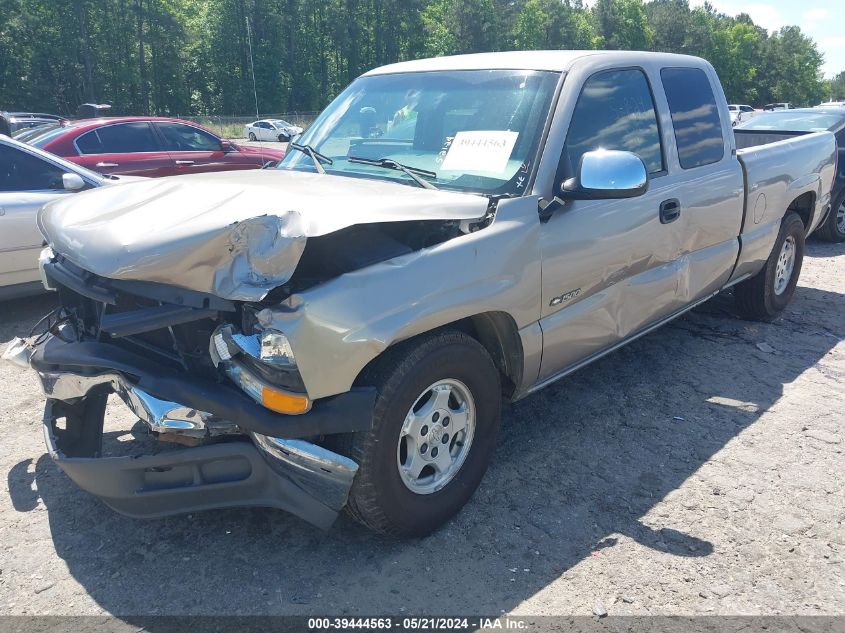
[(529, 60)]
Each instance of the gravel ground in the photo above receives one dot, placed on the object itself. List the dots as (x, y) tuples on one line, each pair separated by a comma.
[(699, 470)]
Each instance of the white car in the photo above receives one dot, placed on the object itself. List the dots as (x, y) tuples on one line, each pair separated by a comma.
[(831, 104), (741, 112), (271, 130), (30, 178)]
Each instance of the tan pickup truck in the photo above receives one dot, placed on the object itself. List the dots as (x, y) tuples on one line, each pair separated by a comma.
[(341, 330)]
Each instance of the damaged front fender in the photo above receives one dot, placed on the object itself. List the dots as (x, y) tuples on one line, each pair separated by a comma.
[(337, 327)]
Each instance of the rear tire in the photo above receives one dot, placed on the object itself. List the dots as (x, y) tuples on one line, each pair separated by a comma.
[(414, 380), (833, 229), (251, 136), (764, 296)]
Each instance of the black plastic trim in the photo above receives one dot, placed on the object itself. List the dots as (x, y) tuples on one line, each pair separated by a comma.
[(224, 475), (149, 319), (58, 273)]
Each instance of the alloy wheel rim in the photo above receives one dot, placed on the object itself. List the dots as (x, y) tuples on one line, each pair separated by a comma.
[(785, 265), (436, 436), (840, 218)]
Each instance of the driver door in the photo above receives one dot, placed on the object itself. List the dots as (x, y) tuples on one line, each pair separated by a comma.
[(609, 266)]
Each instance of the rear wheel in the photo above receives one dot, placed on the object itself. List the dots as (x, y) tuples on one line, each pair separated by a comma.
[(251, 136), (434, 430), (764, 296), (833, 229)]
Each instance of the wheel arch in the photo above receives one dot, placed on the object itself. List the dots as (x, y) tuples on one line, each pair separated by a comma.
[(496, 331), (804, 206)]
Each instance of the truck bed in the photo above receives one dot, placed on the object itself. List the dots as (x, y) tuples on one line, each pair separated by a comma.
[(754, 138), (777, 167)]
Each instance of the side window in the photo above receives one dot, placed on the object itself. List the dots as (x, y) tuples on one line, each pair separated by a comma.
[(186, 138), (121, 138), (695, 117), (21, 171), (615, 111)]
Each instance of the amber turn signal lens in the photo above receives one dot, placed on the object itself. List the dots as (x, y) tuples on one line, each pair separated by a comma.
[(282, 402)]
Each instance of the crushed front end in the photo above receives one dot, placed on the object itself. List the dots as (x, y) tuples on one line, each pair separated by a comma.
[(200, 374)]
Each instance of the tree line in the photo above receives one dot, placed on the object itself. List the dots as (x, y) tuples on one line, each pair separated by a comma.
[(192, 57)]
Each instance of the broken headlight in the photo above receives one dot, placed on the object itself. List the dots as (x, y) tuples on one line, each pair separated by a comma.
[(276, 350), (242, 357)]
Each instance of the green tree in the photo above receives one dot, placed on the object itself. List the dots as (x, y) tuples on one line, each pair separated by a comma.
[(836, 87), (189, 57), (622, 24)]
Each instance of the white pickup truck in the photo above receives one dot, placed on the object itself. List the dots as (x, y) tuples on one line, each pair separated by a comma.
[(341, 330)]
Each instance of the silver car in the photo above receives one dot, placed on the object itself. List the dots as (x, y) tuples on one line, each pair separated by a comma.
[(30, 178)]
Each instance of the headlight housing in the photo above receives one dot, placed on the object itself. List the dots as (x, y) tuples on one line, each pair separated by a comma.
[(276, 349), (263, 366)]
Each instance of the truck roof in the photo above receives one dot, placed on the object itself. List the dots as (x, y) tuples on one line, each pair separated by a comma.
[(554, 60)]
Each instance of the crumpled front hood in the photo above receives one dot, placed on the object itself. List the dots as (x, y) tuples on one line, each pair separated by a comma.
[(233, 234)]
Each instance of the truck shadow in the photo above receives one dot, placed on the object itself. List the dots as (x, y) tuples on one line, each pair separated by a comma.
[(578, 467)]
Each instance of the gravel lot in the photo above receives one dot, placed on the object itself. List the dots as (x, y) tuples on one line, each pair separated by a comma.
[(697, 471)]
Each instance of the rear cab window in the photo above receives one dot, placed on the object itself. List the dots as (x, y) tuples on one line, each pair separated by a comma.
[(615, 110), (695, 116)]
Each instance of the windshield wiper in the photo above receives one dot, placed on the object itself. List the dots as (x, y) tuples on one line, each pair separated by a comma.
[(316, 156), (389, 163)]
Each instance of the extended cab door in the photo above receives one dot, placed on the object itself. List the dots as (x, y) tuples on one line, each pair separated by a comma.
[(131, 149), (706, 180), (609, 267)]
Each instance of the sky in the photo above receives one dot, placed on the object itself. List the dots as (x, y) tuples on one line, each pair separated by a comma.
[(822, 20)]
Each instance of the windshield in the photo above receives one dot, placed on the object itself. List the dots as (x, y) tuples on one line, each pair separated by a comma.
[(25, 134), (45, 135), (793, 121), (477, 130)]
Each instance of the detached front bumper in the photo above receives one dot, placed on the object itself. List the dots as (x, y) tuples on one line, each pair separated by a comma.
[(242, 467)]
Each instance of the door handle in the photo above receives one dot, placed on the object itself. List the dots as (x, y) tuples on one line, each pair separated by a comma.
[(184, 162), (670, 210), (106, 165)]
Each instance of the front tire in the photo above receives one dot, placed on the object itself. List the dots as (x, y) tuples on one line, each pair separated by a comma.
[(284, 138), (833, 229), (434, 431), (764, 296)]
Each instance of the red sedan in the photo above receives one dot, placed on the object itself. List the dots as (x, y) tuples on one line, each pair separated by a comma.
[(148, 146)]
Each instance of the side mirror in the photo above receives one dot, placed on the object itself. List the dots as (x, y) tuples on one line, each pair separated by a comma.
[(72, 182), (605, 174), (226, 145)]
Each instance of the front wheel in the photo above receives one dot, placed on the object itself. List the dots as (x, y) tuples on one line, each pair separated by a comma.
[(283, 138), (434, 430), (833, 229), (764, 296)]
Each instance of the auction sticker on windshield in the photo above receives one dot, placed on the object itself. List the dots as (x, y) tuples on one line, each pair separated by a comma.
[(479, 150)]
